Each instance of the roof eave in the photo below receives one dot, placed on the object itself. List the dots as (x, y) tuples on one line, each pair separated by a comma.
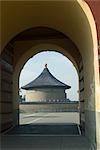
[(42, 87)]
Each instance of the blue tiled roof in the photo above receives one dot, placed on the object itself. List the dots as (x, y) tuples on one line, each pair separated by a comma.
[(45, 80)]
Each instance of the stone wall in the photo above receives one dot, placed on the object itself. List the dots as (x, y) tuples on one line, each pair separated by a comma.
[(6, 95), (48, 107), (81, 96)]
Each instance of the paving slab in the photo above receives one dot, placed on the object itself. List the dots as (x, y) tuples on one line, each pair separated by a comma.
[(45, 129), (44, 143)]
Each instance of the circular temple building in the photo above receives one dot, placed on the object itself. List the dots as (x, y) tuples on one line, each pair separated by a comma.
[(46, 88)]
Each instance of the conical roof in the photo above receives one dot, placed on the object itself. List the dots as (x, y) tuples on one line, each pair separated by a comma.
[(45, 80)]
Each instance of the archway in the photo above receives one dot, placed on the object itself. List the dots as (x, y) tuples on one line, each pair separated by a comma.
[(53, 103), (85, 42), (76, 60)]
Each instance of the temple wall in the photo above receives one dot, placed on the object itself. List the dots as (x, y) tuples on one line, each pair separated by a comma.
[(45, 95)]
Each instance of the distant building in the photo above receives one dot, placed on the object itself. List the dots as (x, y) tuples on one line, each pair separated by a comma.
[(46, 88)]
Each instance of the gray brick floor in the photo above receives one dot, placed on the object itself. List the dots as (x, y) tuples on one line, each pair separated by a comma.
[(45, 132), (44, 143), (45, 129)]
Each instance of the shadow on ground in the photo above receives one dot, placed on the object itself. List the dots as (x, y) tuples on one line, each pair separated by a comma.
[(45, 129)]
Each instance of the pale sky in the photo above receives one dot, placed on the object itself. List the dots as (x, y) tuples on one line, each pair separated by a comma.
[(59, 65)]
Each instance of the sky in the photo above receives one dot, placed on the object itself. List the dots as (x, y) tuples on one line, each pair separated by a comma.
[(59, 65)]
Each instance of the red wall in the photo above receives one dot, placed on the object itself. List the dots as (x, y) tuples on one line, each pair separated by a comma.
[(95, 8)]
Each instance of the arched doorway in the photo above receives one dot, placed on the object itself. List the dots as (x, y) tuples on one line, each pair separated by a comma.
[(56, 46), (56, 108), (83, 35)]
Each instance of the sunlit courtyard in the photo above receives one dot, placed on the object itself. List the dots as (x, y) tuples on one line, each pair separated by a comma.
[(49, 118)]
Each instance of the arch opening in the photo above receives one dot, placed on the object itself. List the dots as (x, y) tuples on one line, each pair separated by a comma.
[(63, 46), (58, 106)]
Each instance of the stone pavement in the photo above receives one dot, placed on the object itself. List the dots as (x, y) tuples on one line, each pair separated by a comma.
[(44, 143), (45, 132), (45, 129)]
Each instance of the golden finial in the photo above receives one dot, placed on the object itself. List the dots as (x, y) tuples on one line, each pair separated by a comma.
[(45, 65)]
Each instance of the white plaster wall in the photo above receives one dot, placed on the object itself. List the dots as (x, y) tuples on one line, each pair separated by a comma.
[(45, 94)]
